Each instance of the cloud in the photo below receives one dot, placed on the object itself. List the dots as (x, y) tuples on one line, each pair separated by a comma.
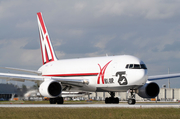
[(102, 41), (80, 6), (32, 44), (77, 47), (12, 54), (172, 47), (147, 29), (154, 9)]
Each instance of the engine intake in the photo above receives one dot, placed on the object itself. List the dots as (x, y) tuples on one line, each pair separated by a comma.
[(50, 89), (149, 90)]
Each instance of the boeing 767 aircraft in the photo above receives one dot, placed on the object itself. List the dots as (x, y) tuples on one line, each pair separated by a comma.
[(100, 74)]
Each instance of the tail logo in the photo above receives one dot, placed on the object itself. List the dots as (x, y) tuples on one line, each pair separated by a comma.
[(102, 72), (48, 54)]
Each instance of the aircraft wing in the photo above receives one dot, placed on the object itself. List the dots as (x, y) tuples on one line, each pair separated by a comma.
[(39, 79), (165, 76)]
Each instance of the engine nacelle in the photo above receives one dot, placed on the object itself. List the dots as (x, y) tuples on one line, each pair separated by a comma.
[(149, 90), (50, 88)]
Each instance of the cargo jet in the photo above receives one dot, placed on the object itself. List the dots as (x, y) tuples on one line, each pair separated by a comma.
[(98, 74)]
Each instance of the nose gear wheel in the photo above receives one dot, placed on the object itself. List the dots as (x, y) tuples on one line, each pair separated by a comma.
[(131, 100)]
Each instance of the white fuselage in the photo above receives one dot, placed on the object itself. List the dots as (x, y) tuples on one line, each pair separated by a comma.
[(103, 73)]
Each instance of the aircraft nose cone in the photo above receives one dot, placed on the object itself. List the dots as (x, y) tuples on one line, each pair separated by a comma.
[(142, 76), (137, 77)]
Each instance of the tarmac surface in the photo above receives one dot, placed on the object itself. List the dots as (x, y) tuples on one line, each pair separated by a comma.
[(139, 105)]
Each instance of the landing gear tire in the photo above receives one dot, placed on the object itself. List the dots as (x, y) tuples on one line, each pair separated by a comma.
[(112, 100), (58, 100), (107, 100), (116, 100), (131, 101), (52, 101)]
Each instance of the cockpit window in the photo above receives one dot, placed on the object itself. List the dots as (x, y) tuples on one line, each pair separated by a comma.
[(127, 66), (130, 66), (143, 66), (136, 66)]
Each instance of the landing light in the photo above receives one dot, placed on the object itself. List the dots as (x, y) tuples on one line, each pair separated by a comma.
[(85, 82)]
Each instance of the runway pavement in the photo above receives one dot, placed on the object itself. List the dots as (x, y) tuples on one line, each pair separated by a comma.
[(139, 105)]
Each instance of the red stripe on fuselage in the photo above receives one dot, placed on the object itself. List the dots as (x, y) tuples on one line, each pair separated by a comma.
[(70, 75)]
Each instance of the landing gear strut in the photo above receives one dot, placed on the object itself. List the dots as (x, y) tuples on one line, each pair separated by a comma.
[(58, 100), (112, 99), (131, 100)]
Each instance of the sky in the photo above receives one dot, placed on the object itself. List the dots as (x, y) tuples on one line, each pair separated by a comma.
[(147, 29)]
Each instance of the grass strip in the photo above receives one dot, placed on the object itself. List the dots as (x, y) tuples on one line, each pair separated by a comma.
[(89, 113)]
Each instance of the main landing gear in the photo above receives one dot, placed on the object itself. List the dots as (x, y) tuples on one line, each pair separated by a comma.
[(58, 100), (112, 99), (131, 100)]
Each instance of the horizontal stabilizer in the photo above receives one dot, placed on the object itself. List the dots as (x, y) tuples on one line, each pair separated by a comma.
[(23, 70), (21, 77)]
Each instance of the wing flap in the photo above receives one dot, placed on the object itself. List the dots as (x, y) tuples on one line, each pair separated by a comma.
[(165, 76)]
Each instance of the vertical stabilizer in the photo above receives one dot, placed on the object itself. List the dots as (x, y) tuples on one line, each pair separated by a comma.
[(47, 51)]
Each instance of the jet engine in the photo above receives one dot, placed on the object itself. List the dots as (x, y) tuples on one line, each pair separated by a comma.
[(149, 90), (50, 89)]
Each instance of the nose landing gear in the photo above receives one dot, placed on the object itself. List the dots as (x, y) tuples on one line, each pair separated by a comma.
[(131, 100)]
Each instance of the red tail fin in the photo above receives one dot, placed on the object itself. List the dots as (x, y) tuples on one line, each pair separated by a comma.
[(47, 51)]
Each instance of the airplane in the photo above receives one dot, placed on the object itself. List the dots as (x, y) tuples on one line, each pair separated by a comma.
[(96, 74)]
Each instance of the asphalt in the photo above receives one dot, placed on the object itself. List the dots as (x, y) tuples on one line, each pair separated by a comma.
[(139, 105)]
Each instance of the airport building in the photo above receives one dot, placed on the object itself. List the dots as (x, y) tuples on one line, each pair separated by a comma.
[(7, 91), (11, 92)]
